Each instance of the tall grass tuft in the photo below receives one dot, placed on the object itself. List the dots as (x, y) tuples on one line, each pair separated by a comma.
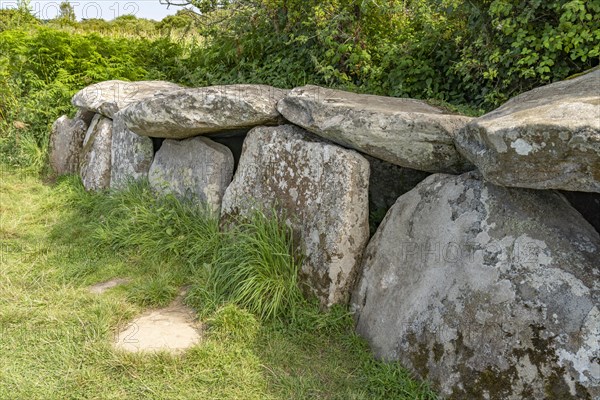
[(251, 263), (255, 267), (160, 228)]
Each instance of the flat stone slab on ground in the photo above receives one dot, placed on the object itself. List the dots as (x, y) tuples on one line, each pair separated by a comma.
[(102, 287), (172, 329)]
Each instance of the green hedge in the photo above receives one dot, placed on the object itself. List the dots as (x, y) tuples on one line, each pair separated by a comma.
[(472, 55)]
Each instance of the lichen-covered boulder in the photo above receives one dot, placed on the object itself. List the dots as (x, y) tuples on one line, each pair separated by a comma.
[(487, 292), (66, 142), (547, 138), (405, 132), (198, 111), (322, 191), (96, 154), (131, 155), (197, 169), (108, 97)]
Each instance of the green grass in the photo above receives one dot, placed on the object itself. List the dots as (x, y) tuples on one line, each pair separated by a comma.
[(255, 267), (55, 337)]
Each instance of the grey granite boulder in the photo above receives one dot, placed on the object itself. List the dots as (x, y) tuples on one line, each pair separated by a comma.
[(406, 132), (196, 168), (198, 111), (322, 191), (96, 154), (131, 155), (66, 142), (487, 292), (108, 97), (547, 138)]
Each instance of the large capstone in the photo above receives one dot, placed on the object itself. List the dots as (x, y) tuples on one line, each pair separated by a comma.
[(108, 97), (199, 111), (132, 155), (487, 292), (547, 138), (197, 169), (320, 189), (406, 132), (66, 142), (96, 154)]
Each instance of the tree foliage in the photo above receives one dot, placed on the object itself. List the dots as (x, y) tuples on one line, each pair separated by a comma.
[(476, 52), (66, 12), (512, 46)]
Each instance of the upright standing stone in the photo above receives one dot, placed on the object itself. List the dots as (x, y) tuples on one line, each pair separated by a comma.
[(132, 155), (195, 168), (322, 190), (487, 292), (96, 154), (66, 142)]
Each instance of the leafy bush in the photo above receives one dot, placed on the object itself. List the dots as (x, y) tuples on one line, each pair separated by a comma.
[(41, 68), (14, 18), (475, 53), (510, 46)]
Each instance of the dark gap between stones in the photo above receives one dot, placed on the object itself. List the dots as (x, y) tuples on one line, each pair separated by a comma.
[(157, 143), (234, 141), (387, 182), (588, 205)]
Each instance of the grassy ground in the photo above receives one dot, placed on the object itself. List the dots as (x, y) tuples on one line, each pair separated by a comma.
[(55, 337)]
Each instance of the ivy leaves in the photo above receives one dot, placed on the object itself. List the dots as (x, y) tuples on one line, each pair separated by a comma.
[(530, 43)]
